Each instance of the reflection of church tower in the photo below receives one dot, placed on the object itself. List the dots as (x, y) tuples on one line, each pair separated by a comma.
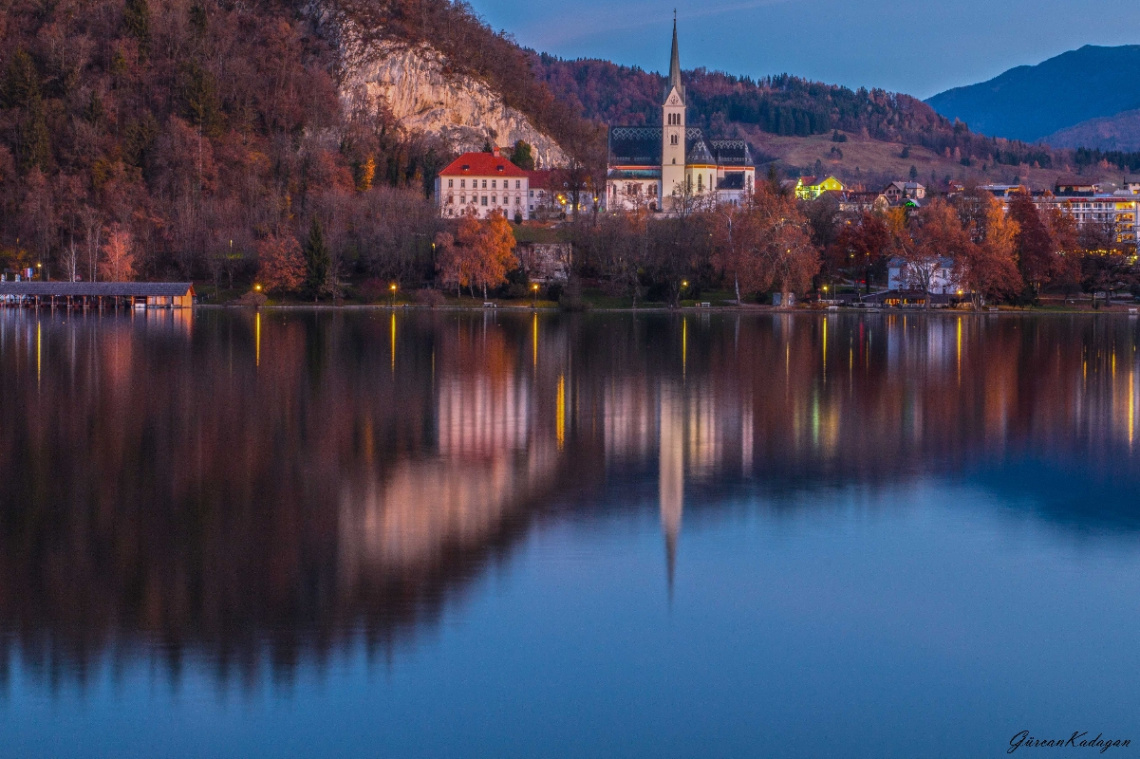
[(673, 130), (671, 475)]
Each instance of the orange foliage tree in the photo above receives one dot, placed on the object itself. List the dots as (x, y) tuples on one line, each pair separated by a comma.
[(480, 255), (118, 264), (281, 265)]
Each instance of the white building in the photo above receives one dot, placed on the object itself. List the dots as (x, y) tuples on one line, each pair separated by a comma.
[(904, 276), (482, 183), (652, 168)]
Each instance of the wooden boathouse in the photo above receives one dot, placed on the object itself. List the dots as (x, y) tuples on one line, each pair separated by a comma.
[(97, 294)]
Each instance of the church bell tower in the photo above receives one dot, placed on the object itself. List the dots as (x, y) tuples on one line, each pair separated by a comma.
[(673, 131)]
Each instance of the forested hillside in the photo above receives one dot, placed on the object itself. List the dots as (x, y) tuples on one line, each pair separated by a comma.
[(196, 130)]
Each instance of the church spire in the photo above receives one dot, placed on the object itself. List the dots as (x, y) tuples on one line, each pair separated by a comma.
[(675, 64)]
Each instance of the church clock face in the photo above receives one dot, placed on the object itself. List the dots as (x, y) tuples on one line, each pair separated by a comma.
[(673, 100)]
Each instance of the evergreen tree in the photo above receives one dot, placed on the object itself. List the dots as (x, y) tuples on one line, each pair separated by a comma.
[(136, 17), (523, 156), (317, 261)]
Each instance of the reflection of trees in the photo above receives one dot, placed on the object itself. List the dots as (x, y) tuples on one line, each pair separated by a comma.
[(276, 483)]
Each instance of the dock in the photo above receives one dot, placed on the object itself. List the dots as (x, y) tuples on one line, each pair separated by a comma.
[(100, 295)]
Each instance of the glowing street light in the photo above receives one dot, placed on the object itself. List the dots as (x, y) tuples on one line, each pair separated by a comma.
[(257, 287), (534, 294), (392, 289)]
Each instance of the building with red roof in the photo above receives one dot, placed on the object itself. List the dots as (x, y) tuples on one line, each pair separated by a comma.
[(481, 183)]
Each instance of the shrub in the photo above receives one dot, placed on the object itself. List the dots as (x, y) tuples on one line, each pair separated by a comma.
[(429, 297), (252, 300)]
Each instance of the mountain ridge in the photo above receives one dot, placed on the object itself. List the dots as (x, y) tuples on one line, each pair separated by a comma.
[(1033, 102)]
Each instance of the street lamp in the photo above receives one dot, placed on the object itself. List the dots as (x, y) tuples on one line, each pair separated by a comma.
[(40, 267), (534, 294), (392, 288), (257, 287)]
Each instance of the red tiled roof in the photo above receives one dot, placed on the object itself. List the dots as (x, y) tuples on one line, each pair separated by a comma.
[(481, 165), (540, 179)]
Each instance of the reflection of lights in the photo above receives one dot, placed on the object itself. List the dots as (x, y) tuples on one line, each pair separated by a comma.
[(39, 351), (393, 342), (257, 338), (684, 345), (560, 418)]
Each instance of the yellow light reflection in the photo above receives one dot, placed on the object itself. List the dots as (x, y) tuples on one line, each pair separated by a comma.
[(393, 342), (257, 339), (39, 351), (959, 350), (825, 350), (560, 419), (684, 345), (534, 342)]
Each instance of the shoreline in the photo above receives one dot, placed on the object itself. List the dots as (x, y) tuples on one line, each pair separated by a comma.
[(752, 310)]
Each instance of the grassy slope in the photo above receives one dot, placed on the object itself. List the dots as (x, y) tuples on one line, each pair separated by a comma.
[(876, 161)]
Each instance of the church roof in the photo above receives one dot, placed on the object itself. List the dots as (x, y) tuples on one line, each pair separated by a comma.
[(675, 68), (731, 153), (641, 146), (635, 146), (696, 150)]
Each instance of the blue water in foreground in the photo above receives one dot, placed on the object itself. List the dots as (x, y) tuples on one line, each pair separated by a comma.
[(438, 535)]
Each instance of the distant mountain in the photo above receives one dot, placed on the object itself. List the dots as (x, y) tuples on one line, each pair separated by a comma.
[(1120, 132), (1031, 103)]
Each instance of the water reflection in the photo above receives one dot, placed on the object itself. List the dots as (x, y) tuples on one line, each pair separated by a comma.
[(232, 486)]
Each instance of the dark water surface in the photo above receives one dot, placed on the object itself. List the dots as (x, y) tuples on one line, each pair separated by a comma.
[(441, 535)]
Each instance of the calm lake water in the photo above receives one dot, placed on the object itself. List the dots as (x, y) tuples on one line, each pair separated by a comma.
[(358, 534)]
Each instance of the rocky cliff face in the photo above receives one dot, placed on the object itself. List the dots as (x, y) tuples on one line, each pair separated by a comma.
[(411, 82)]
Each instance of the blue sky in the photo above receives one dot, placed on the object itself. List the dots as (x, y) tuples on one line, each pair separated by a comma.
[(921, 48)]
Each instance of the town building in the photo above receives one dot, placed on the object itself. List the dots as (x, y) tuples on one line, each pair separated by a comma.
[(904, 276), (659, 168), (481, 183), (810, 188), (1117, 212), (896, 192)]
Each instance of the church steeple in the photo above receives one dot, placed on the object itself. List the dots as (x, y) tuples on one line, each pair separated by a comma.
[(675, 82), (674, 134)]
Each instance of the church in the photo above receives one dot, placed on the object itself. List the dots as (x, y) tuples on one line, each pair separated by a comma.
[(658, 168)]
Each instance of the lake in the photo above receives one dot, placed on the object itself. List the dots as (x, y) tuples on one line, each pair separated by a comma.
[(366, 534)]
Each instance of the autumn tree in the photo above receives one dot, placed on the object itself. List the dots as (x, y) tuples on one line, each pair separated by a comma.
[(318, 261), (862, 245), (765, 244), (987, 267), (281, 264), (493, 252), (118, 264), (926, 241), (480, 255), (1036, 248)]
